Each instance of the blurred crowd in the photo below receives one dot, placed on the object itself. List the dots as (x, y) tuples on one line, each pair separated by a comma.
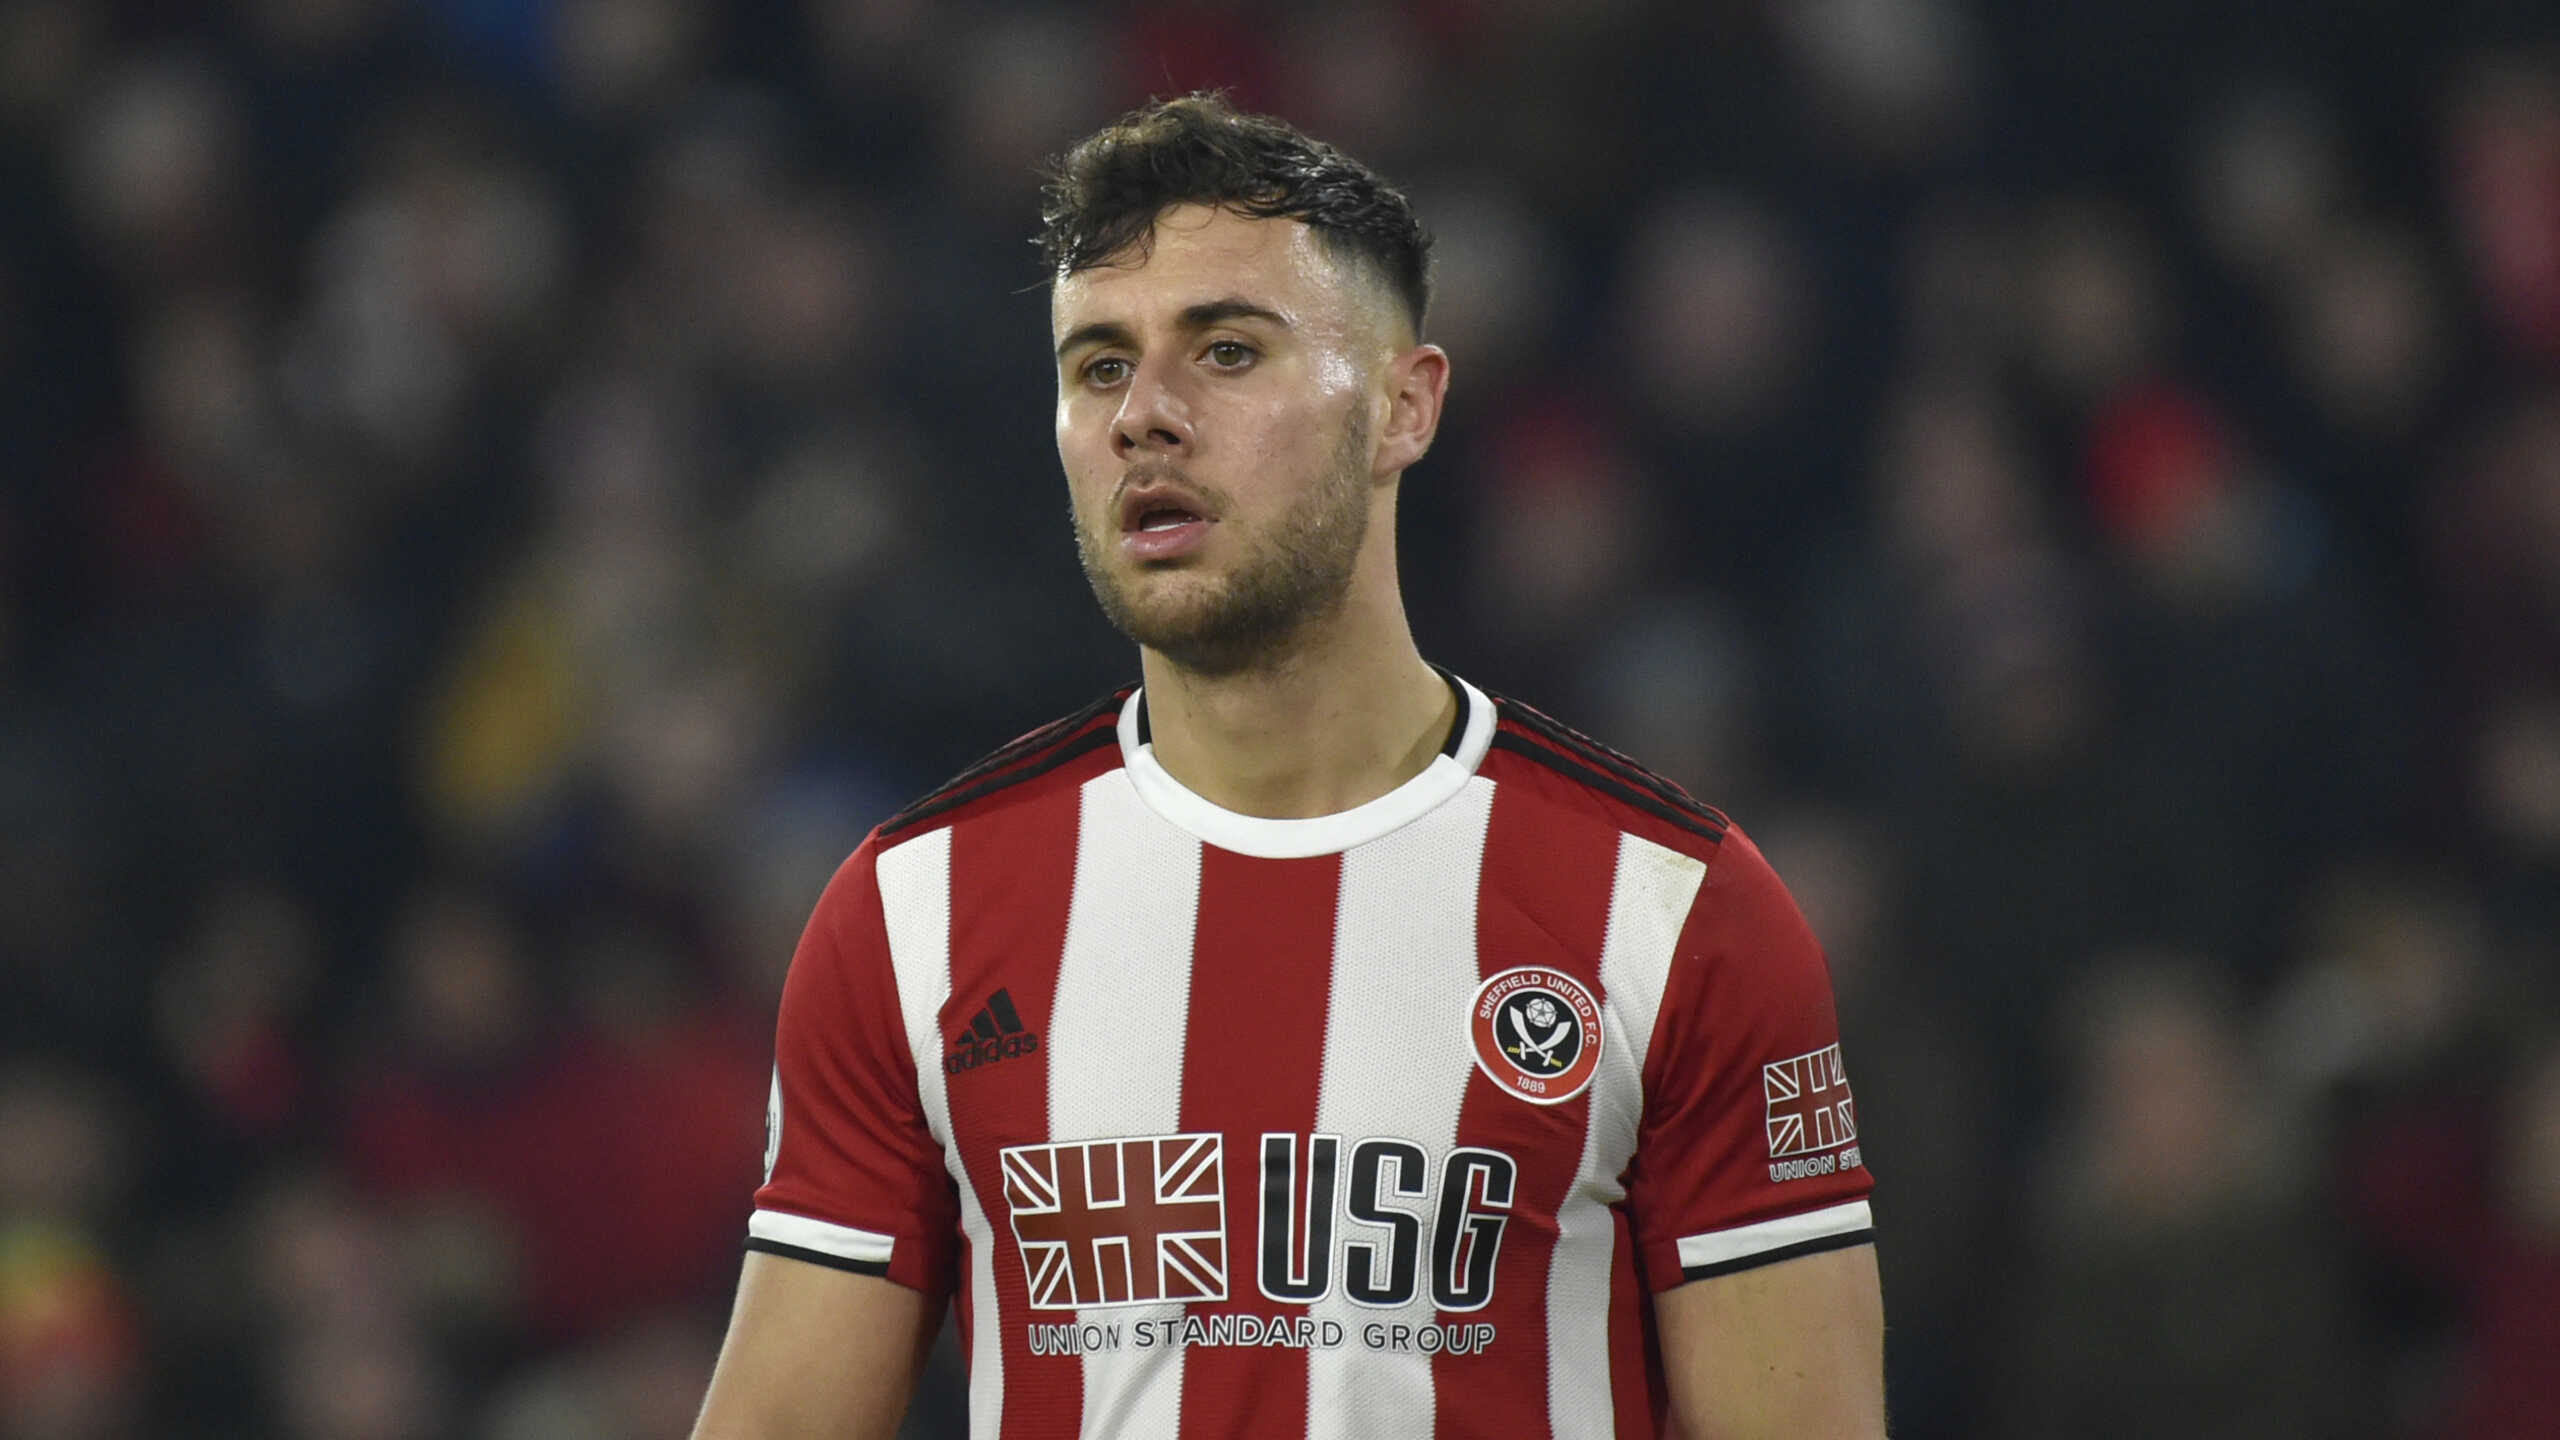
[(496, 496)]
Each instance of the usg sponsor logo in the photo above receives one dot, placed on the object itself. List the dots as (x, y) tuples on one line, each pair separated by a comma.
[(1379, 1221)]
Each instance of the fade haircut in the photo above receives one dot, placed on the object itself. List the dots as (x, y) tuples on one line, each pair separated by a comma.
[(1103, 197)]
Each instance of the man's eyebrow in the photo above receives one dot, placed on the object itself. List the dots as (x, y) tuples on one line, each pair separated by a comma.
[(1100, 332), (1220, 312), (1194, 317)]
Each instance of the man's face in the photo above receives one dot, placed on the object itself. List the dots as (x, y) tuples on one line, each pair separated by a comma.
[(1214, 422)]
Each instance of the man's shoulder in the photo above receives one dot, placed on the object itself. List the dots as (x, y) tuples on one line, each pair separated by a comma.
[(1564, 768), (1020, 769)]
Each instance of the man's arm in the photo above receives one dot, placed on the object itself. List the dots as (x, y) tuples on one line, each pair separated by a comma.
[(851, 1247), (1794, 1348), (816, 1352)]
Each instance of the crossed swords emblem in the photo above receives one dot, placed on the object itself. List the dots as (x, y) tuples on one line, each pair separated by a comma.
[(1530, 1045)]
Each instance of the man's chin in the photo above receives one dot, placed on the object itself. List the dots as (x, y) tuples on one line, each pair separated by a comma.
[(1199, 631), (1215, 619), (1176, 630)]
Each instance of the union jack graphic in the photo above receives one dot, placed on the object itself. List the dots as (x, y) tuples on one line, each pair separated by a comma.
[(1809, 1104), (1120, 1222)]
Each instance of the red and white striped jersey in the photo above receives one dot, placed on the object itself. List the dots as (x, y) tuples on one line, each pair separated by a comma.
[(1383, 1123)]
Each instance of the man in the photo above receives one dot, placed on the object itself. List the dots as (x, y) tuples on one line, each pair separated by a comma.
[(1301, 1043)]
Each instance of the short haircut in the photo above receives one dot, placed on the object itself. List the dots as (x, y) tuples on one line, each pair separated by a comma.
[(1104, 196)]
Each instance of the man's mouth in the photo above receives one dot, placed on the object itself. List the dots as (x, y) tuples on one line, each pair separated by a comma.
[(1165, 517), (1161, 522), (1162, 505)]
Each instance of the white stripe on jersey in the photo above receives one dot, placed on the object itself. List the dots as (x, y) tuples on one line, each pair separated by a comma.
[(1397, 1058), (1115, 1042), (1649, 896), (842, 1241), (1742, 1241), (915, 906), (1648, 906)]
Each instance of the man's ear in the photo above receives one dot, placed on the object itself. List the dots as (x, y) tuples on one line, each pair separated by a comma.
[(1417, 385)]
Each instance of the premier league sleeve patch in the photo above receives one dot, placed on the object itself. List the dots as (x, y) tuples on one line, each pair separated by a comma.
[(773, 1125), (1537, 1033)]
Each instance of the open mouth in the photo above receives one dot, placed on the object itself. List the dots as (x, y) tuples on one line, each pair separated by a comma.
[(1164, 517), (1163, 522)]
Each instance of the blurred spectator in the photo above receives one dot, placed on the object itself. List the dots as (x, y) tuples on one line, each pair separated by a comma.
[(2503, 141), (2179, 1287), (153, 165), (2094, 312), (2369, 334), (71, 1354), (2497, 557), (1952, 651), (2463, 1198), (2393, 986), (1561, 535), (1892, 78), (2516, 1307), (231, 1010), (1713, 312), (571, 1174), (2267, 182)]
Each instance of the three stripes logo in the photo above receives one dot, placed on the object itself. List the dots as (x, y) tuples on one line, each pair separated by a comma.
[(996, 1033)]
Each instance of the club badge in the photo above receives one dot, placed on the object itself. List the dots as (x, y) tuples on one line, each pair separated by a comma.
[(1537, 1033)]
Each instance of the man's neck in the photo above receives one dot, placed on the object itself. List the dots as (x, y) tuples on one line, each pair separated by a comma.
[(1330, 727)]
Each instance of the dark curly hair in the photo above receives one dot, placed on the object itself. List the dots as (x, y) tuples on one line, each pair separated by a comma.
[(1103, 197)]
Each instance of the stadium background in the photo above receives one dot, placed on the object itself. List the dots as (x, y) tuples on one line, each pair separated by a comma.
[(499, 495)]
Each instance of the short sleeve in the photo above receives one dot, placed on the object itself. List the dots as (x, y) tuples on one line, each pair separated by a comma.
[(1748, 1150), (854, 1178)]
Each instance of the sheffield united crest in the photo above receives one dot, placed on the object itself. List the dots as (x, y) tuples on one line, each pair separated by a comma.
[(1537, 1033)]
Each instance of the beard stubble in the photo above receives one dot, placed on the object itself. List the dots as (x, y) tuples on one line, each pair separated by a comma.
[(1288, 580)]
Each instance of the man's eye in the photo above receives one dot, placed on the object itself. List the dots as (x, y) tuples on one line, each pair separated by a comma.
[(1228, 354), (1106, 371)]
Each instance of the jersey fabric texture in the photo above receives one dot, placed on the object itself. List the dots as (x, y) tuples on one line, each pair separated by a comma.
[(1383, 1123)]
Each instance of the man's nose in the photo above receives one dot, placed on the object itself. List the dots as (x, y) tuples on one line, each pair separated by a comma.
[(1153, 414)]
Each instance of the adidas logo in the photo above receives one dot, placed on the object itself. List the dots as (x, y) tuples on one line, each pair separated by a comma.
[(995, 1033)]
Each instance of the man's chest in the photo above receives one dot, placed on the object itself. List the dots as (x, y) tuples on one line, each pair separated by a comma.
[(1281, 1107)]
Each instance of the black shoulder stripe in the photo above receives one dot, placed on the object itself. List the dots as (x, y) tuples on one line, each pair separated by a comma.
[(1012, 752), (819, 1257), (1645, 800), (1815, 1246), (952, 797), (1599, 756), (1624, 766), (1050, 734)]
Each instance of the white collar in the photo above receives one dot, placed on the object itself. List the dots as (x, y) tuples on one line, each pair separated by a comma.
[(1443, 778)]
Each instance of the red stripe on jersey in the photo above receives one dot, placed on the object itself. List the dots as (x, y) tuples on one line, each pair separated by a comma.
[(1636, 1383), (1578, 780), (1011, 878), (1543, 900), (1253, 1062)]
